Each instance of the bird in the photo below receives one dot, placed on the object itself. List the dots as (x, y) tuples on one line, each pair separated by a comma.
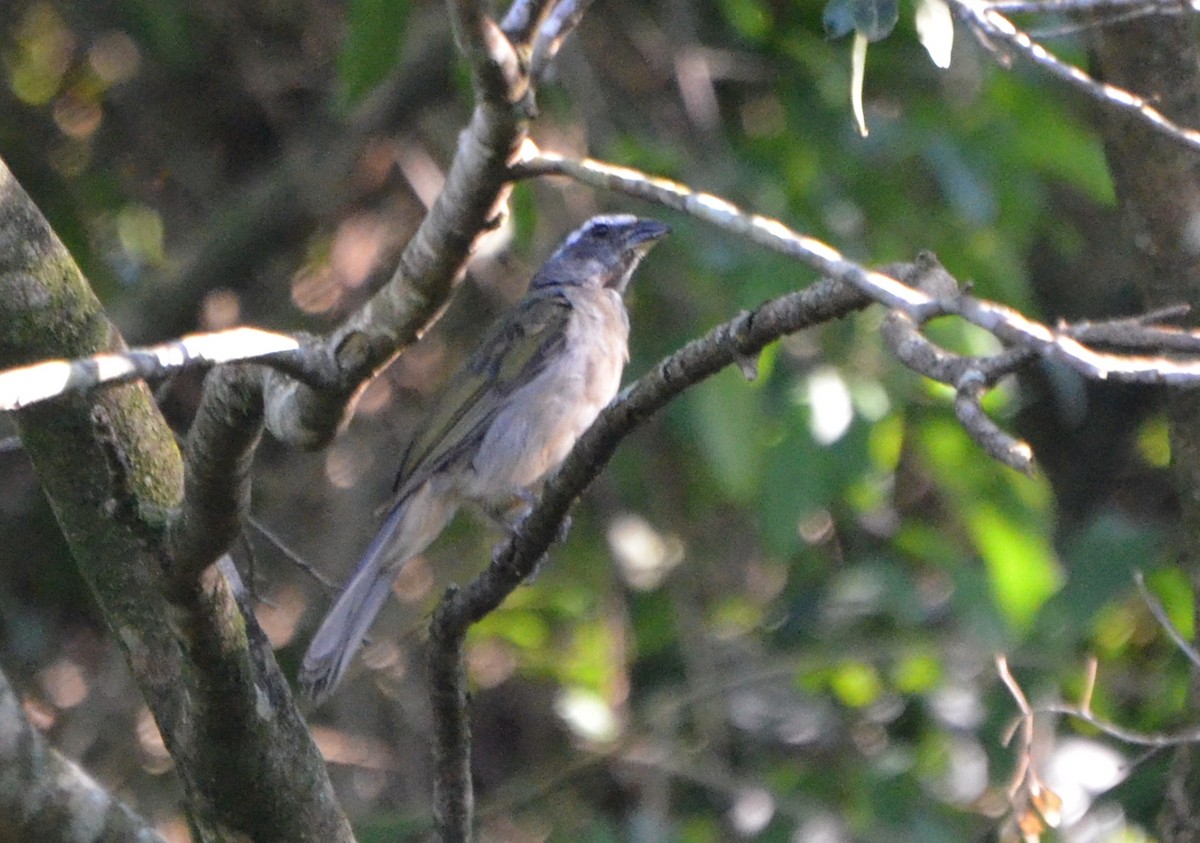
[(537, 379)]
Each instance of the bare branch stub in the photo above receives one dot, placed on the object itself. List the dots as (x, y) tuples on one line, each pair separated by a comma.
[(523, 18), (561, 21), (994, 440), (970, 377)]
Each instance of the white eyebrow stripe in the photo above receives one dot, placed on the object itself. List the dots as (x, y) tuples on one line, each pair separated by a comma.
[(602, 219)]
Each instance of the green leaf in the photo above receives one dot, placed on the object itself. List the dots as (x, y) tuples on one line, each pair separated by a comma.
[(371, 47), (751, 18), (917, 673), (1007, 518), (1022, 568), (727, 423), (856, 684)]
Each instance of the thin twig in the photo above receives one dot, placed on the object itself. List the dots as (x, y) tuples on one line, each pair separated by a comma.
[(292, 556), (1024, 724), (994, 440), (1007, 324), (1152, 739), (988, 23), (562, 20), (1160, 614), (1083, 712), (1055, 7), (523, 18), (1089, 685)]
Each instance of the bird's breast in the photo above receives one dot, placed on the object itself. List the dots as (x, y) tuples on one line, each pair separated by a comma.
[(542, 420)]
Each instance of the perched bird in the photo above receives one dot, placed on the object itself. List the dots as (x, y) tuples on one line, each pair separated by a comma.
[(537, 380)]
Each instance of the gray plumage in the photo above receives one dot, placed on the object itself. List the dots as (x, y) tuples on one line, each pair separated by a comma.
[(537, 380)]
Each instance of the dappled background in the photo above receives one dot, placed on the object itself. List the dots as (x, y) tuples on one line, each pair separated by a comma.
[(776, 614)]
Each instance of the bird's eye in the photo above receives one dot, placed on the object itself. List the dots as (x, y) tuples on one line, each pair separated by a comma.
[(600, 229)]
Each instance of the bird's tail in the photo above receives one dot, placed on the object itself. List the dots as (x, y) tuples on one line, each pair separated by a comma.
[(410, 527)]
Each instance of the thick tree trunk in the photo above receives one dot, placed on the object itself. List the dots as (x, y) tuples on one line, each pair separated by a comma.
[(109, 466), (1158, 186)]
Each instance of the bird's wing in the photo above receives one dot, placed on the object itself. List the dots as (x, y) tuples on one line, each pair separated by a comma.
[(512, 353)]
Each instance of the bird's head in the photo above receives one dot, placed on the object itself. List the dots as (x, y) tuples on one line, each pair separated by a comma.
[(603, 252)]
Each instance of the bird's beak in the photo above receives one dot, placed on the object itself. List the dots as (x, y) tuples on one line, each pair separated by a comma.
[(645, 233)]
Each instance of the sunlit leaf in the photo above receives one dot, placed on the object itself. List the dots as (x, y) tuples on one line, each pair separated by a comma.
[(1021, 563), (523, 628), (856, 684), (885, 441), (750, 18), (858, 72), (916, 673), (935, 28), (1154, 442)]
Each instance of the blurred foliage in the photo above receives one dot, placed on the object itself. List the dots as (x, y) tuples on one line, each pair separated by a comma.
[(776, 615), (371, 46)]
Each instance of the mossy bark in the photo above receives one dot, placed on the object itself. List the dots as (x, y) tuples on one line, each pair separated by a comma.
[(113, 473)]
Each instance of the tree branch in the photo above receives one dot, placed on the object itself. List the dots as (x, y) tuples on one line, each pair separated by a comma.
[(563, 18), (743, 337), (110, 467), (1058, 7), (988, 24), (44, 796), (472, 202), (51, 378), (1006, 324), (218, 455)]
